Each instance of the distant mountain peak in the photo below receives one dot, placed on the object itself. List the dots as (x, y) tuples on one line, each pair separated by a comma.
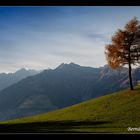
[(21, 70), (73, 64), (65, 65), (24, 71), (61, 65)]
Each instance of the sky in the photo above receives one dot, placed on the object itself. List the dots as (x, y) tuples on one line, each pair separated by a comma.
[(42, 37)]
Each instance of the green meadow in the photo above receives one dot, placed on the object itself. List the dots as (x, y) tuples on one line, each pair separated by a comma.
[(112, 113)]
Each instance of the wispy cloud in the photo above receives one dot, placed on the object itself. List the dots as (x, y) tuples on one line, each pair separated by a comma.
[(42, 37)]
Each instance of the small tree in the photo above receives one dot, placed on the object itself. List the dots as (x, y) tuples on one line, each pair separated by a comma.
[(125, 47)]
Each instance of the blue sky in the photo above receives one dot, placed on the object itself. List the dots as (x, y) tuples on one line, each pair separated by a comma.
[(44, 37)]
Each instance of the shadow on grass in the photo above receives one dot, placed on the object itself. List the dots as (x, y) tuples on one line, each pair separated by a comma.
[(50, 127)]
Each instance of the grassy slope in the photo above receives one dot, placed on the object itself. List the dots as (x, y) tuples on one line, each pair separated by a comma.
[(111, 113)]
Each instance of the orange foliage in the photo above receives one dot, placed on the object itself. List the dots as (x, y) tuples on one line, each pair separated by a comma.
[(118, 53)]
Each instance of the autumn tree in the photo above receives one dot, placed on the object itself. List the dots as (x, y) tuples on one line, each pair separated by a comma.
[(124, 48)]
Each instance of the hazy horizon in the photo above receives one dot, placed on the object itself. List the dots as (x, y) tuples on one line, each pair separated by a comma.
[(48, 68), (44, 37)]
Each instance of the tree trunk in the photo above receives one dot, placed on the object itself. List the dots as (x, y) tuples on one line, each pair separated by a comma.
[(130, 76)]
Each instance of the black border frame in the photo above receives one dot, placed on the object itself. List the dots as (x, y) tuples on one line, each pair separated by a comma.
[(72, 3)]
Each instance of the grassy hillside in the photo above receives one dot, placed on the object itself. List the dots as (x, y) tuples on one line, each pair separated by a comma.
[(113, 113)]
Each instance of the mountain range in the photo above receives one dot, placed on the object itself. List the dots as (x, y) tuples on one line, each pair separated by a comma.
[(12, 78), (66, 85)]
